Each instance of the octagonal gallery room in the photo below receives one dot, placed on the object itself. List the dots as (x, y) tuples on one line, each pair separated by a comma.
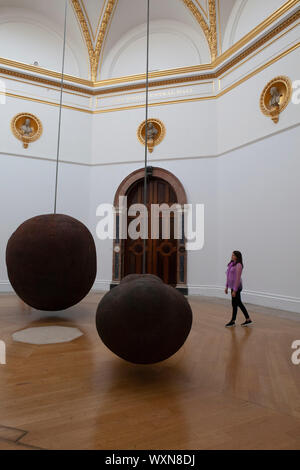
[(149, 227)]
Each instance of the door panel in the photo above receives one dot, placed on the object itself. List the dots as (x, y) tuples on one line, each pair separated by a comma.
[(161, 254)]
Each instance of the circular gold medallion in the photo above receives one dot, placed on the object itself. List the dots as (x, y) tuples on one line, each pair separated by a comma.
[(155, 135), (27, 128), (275, 97)]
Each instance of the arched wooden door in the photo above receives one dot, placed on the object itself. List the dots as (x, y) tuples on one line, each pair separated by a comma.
[(165, 258), (161, 258)]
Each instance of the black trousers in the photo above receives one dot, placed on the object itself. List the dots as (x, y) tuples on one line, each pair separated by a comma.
[(236, 303)]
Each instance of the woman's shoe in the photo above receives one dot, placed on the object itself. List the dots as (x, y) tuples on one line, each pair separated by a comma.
[(247, 323), (231, 324)]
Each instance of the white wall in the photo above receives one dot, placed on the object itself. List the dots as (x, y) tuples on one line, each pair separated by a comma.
[(26, 190), (239, 116), (190, 132), (251, 204), (76, 126), (259, 195)]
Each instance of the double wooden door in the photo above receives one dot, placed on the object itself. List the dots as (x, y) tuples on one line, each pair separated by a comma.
[(161, 254)]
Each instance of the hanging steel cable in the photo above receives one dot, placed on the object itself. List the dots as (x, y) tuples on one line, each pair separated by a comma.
[(60, 106), (146, 137), (51, 258)]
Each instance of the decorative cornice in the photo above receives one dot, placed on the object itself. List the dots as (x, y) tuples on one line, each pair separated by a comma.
[(94, 53), (44, 81), (45, 72), (163, 103), (210, 31)]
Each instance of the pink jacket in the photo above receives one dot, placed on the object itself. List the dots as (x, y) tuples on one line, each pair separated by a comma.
[(234, 276)]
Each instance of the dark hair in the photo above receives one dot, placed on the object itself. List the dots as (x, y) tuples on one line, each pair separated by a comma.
[(239, 256)]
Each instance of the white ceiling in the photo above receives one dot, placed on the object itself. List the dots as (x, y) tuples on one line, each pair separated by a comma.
[(163, 13), (132, 13)]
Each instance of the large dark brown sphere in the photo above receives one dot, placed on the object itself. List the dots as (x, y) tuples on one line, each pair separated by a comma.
[(144, 321), (51, 262)]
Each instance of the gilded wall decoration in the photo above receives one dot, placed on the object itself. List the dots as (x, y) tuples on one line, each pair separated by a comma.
[(155, 135), (27, 128), (210, 30), (275, 97), (94, 52)]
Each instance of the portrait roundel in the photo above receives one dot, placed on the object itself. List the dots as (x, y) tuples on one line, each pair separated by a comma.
[(27, 128), (275, 97), (155, 134)]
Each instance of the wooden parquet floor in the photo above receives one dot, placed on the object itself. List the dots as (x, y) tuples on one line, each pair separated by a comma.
[(225, 389)]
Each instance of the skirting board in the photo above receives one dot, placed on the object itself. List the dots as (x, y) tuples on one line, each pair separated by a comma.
[(265, 299)]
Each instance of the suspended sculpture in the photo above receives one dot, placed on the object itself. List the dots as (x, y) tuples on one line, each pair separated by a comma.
[(51, 262), (51, 259), (143, 320)]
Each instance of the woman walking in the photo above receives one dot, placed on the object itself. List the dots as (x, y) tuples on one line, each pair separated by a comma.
[(234, 282)]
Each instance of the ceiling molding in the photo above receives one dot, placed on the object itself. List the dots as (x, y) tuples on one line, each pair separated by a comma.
[(210, 31), (94, 52)]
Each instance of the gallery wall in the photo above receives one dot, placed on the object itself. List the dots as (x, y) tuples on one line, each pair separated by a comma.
[(258, 209)]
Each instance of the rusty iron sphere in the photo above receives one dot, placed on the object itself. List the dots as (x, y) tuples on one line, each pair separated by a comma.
[(51, 262), (144, 321)]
